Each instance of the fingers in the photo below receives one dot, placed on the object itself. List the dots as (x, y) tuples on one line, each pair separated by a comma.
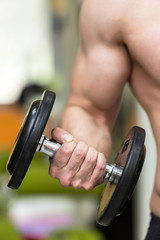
[(77, 158), (67, 162), (97, 176), (75, 163), (63, 155), (86, 169)]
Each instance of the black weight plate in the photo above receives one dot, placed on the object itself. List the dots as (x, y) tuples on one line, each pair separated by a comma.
[(22, 137), (28, 138), (131, 158)]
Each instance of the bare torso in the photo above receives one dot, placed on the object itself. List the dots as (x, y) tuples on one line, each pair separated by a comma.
[(141, 35), (130, 30), (119, 45)]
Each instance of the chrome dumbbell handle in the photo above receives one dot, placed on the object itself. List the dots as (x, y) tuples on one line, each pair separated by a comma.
[(47, 147), (113, 171)]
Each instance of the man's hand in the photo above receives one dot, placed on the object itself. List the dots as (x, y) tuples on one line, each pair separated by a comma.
[(75, 163)]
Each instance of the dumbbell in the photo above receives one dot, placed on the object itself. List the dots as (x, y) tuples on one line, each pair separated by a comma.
[(121, 177)]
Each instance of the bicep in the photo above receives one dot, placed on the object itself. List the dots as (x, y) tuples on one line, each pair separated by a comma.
[(102, 65), (98, 79)]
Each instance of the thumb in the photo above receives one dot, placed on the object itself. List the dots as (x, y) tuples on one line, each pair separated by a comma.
[(61, 136)]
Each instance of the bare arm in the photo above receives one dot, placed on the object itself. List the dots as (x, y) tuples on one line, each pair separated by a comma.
[(100, 72), (84, 116)]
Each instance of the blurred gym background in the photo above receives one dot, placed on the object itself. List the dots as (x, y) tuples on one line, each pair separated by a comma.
[(38, 43)]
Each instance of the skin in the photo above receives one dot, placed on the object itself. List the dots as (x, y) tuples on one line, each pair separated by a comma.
[(119, 45)]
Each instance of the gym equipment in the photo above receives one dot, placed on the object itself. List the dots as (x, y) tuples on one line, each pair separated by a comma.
[(121, 176)]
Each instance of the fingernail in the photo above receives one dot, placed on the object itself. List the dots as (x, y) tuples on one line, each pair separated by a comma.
[(67, 138)]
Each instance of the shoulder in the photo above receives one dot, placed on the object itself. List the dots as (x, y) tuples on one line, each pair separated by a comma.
[(101, 20)]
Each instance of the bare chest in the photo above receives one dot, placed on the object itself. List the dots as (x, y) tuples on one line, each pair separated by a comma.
[(142, 37), (143, 41)]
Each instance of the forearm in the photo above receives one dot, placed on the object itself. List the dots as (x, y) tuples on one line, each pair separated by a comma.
[(84, 126), (98, 78)]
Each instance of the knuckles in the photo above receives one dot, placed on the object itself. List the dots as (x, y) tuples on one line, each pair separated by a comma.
[(66, 150), (100, 167), (88, 186), (91, 157), (77, 184), (65, 182), (53, 172), (80, 150), (101, 162)]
